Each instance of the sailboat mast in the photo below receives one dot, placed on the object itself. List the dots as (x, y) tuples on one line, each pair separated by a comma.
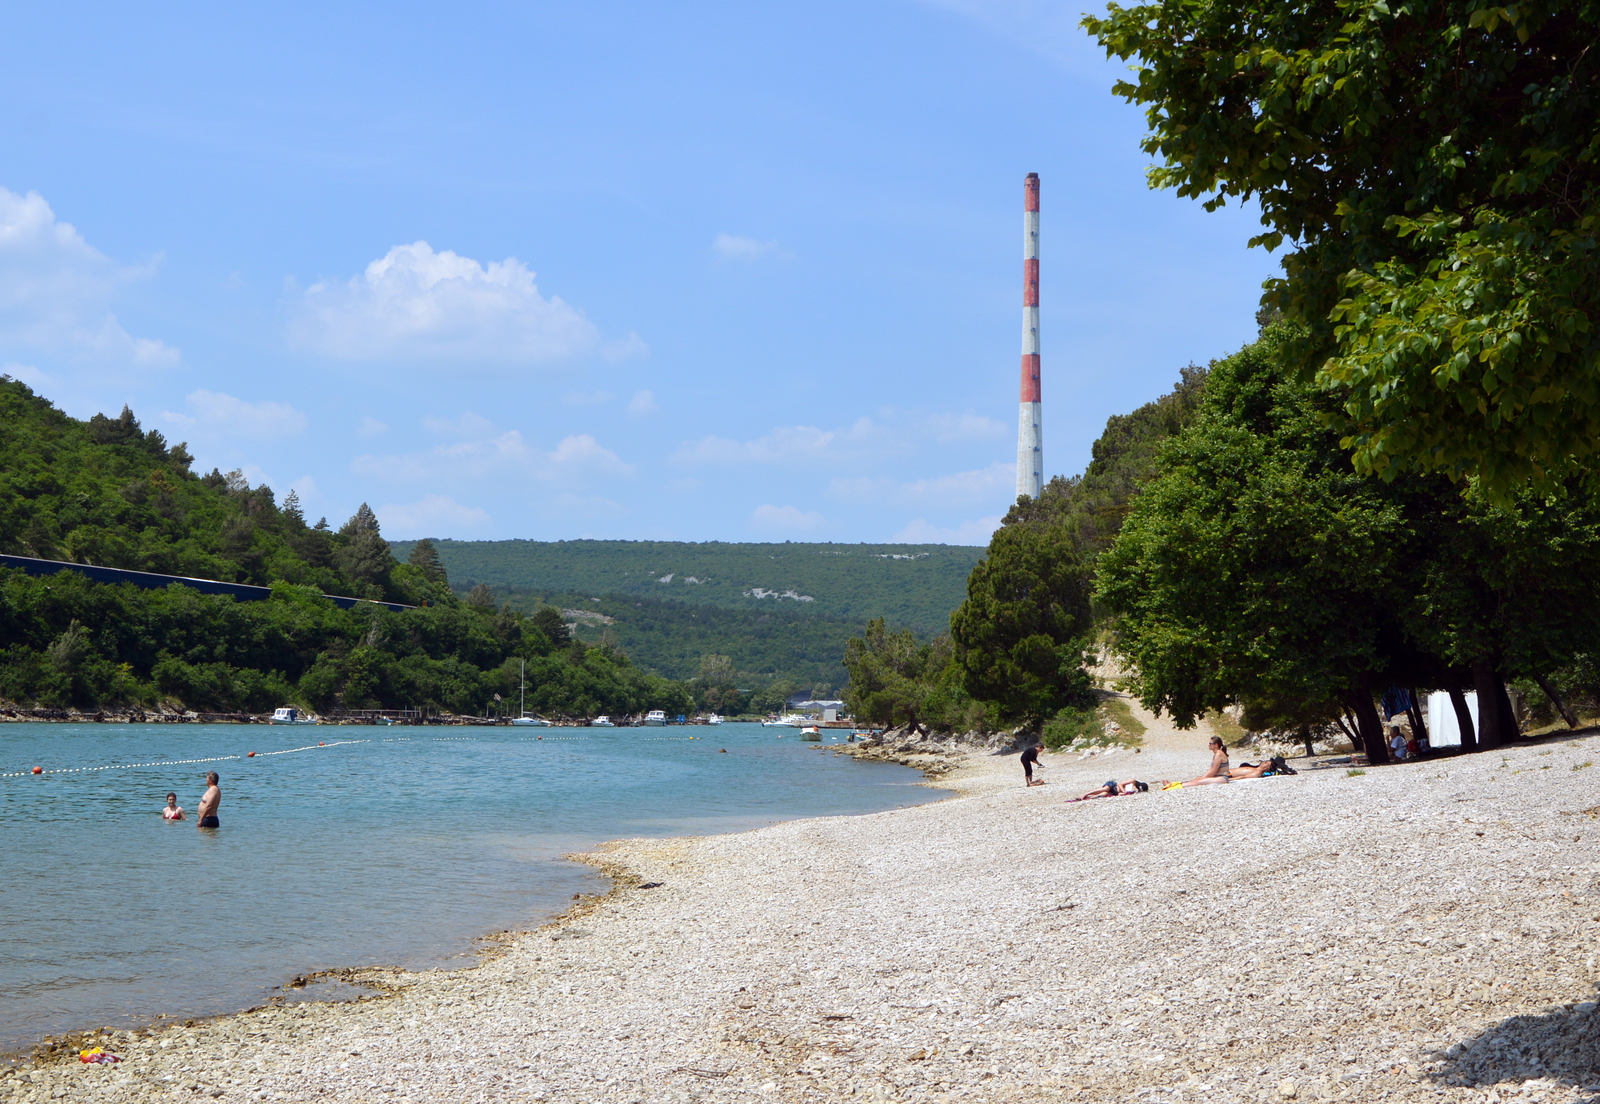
[(522, 693)]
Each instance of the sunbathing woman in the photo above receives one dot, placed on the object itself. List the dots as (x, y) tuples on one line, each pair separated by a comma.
[(1275, 765), (1215, 774), (1113, 788)]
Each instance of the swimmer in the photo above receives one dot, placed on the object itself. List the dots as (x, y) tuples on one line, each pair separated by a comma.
[(172, 810), (210, 802)]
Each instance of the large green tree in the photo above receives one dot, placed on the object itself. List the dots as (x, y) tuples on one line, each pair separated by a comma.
[(1435, 166), (1022, 635)]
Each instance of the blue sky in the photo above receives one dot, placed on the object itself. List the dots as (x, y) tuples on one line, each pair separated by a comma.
[(681, 272)]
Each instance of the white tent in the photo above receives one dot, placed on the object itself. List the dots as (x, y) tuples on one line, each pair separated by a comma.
[(1443, 731)]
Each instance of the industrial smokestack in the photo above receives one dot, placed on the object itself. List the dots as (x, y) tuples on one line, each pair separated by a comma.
[(1030, 431)]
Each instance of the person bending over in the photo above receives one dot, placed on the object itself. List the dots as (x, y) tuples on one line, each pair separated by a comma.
[(1215, 774), (210, 803), (1030, 759), (1113, 788), (172, 810)]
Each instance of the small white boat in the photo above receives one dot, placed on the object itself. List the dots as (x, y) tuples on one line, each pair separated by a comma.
[(788, 720), (655, 718), (289, 715), (713, 719), (525, 721), (601, 721), (811, 733)]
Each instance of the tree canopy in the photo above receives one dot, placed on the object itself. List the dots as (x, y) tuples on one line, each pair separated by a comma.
[(1259, 567), (1435, 166)]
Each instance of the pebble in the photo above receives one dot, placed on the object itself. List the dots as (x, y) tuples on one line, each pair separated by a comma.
[(1417, 933)]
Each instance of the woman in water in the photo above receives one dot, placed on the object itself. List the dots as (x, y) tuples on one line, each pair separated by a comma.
[(172, 811)]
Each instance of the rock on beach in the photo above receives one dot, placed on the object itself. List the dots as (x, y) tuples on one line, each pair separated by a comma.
[(1421, 932)]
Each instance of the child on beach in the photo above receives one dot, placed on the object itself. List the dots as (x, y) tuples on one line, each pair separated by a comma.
[(172, 811)]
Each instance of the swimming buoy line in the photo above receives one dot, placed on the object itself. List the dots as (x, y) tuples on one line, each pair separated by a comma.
[(175, 762), (310, 747)]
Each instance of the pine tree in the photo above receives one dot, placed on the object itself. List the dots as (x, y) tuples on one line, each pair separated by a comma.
[(425, 556), (291, 510)]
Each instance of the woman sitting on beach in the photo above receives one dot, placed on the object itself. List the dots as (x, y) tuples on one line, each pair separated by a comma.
[(1113, 788), (1215, 774)]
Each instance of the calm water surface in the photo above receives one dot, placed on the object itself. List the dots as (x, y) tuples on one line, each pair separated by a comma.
[(396, 850)]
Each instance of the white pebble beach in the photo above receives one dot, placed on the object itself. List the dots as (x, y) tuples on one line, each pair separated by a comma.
[(1424, 931)]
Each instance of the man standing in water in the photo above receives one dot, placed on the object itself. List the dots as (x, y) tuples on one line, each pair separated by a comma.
[(210, 802)]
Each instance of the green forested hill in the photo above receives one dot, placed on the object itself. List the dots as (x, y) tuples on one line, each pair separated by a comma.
[(668, 638), (108, 493), (916, 585)]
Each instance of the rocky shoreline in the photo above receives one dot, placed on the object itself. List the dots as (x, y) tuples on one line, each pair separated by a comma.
[(1418, 932)]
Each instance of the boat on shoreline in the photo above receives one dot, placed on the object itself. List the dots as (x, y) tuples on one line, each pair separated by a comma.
[(655, 718), (602, 721), (289, 715), (522, 720), (788, 720)]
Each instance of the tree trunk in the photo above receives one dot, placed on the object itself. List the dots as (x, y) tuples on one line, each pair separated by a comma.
[(1491, 717), (1469, 735), (1508, 715), (1305, 738), (1419, 727), (1349, 731), (1370, 725), (1557, 700)]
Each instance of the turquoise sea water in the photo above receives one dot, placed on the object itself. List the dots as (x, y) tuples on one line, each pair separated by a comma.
[(398, 849)]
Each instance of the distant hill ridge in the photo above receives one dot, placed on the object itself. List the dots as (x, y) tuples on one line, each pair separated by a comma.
[(916, 585)]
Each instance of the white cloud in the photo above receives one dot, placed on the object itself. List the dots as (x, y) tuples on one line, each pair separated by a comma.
[(41, 382), (784, 519), (965, 427), (643, 402), (583, 452), (732, 247), (56, 290), (624, 347), (788, 444), (371, 427), (213, 414), (431, 515), (417, 305), (992, 484), (975, 532), (480, 451), (306, 487)]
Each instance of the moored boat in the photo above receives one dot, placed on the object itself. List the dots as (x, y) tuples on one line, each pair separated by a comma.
[(289, 715), (601, 721), (655, 718)]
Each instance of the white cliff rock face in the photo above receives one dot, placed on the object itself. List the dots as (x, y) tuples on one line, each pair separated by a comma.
[(1421, 932)]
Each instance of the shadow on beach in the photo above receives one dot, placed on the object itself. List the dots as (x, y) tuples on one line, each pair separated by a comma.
[(1559, 1047)]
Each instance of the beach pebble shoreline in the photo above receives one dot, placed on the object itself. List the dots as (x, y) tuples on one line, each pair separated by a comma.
[(1424, 931)]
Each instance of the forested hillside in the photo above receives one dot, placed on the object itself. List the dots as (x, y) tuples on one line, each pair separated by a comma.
[(764, 646), (107, 492), (916, 585)]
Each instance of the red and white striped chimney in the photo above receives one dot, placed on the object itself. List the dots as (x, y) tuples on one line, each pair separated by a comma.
[(1030, 432)]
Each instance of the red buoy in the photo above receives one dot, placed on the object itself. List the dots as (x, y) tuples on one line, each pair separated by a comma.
[(320, 743), (38, 770), (250, 755)]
